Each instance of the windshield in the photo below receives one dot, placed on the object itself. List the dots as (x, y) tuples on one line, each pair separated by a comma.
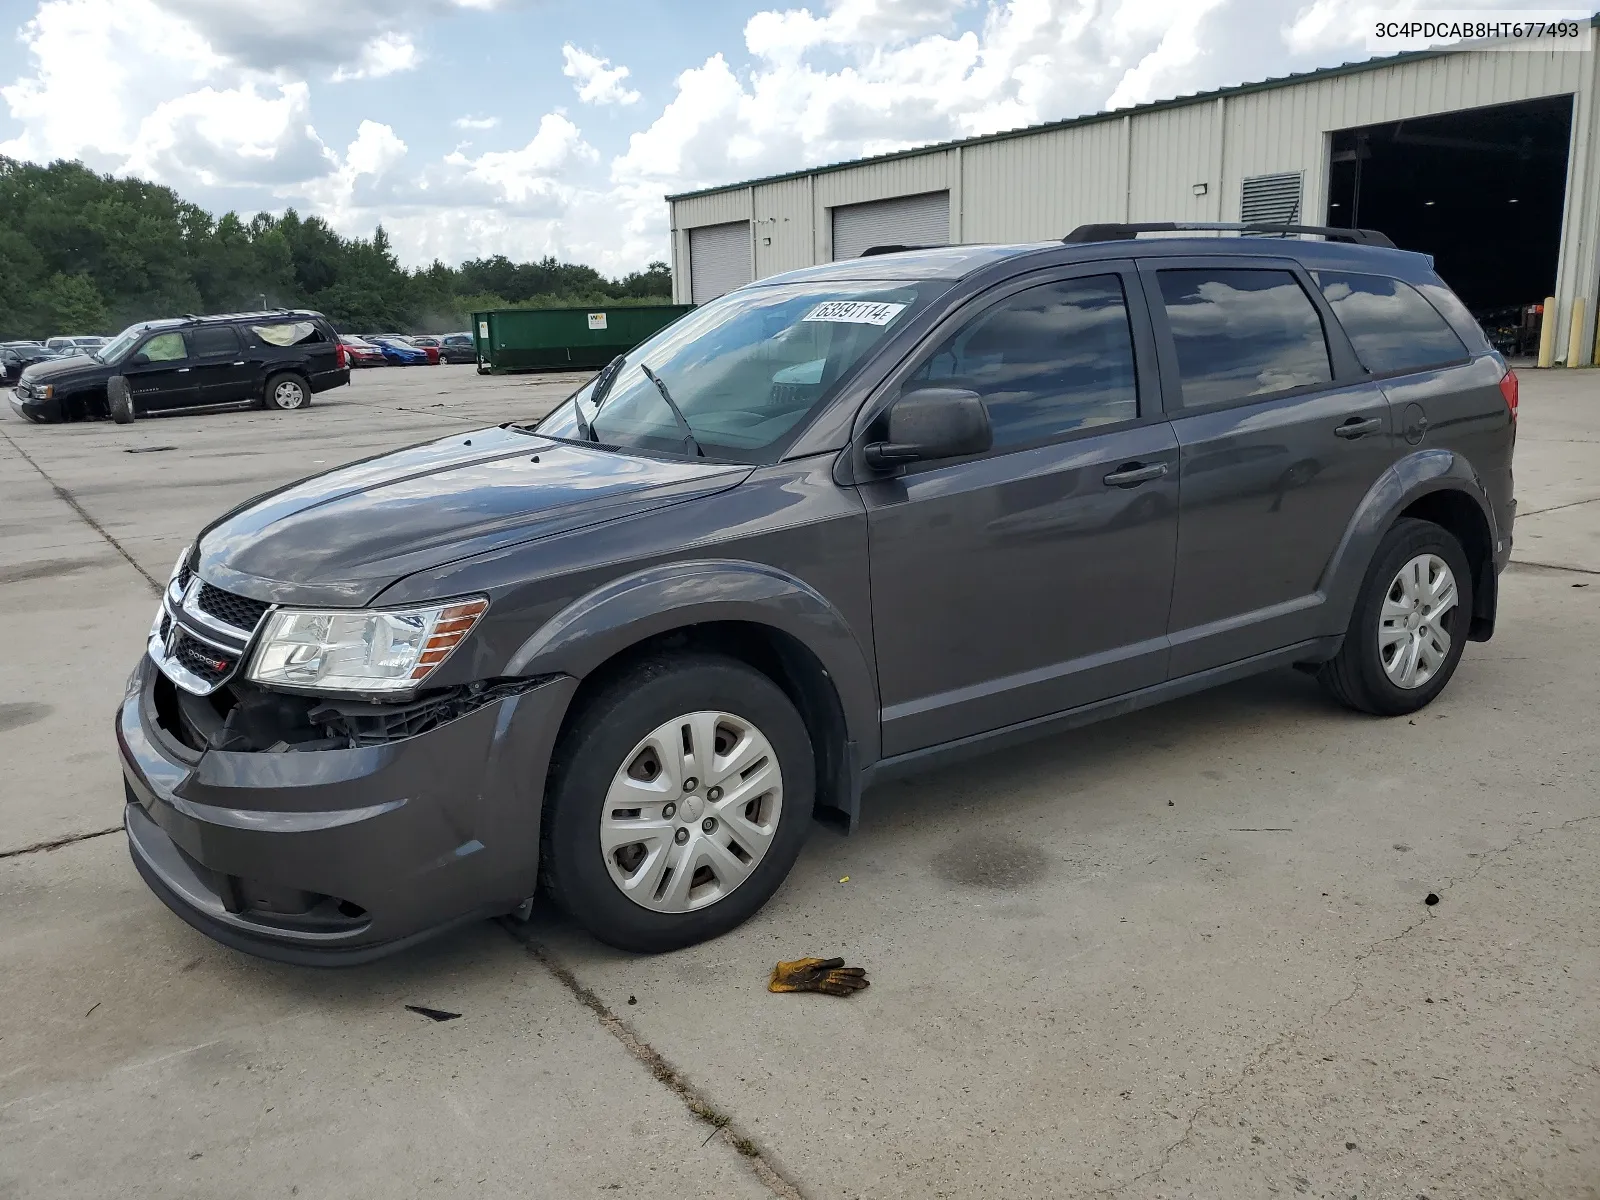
[(120, 345), (746, 370)]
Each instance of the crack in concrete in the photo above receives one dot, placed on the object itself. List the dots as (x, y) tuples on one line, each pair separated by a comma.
[(1534, 512), (1538, 566), (1214, 1098), (57, 843), (71, 502), (664, 1072)]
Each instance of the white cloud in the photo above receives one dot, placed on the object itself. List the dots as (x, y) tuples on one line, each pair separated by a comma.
[(234, 136), (596, 80), (384, 55), (476, 122)]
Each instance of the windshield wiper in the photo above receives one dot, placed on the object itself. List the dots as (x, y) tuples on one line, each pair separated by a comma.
[(677, 413), (602, 387)]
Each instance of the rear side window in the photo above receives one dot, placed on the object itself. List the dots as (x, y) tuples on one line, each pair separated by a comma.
[(213, 340), (1242, 333), (288, 333), (1392, 327), (1046, 361)]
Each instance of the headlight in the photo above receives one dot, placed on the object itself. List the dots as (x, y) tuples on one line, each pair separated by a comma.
[(44, 391), (371, 650)]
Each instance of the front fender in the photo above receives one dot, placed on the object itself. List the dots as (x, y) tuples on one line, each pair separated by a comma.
[(660, 599), (1403, 484)]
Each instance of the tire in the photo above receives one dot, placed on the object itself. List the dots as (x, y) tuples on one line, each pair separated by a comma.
[(286, 392), (119, 399), (615, 737), (1370, 671)]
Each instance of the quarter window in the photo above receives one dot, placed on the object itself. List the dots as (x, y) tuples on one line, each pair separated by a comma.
[(1242, 333), (1048, 360), (165, 347), (1392, 327)]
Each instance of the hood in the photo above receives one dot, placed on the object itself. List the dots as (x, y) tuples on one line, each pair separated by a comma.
[(57, 370), (340, 538)]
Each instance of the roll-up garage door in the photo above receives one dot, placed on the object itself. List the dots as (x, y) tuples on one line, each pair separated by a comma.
[(904, 221), (719, 259)]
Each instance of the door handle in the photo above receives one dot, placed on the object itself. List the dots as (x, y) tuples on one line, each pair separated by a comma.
[(1357, 427), (240, 363), (1133, 474), (183, 370)]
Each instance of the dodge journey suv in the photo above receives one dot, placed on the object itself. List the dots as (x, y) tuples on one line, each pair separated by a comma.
[(835, 526)]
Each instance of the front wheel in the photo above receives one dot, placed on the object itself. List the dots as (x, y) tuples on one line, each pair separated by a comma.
[(1409, 626), (119, 399), (677, 804)]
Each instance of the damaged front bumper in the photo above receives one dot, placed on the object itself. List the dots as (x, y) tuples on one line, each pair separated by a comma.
[(337, 856)]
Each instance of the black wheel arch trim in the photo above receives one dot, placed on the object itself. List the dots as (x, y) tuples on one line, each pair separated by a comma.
[(1419, 474)]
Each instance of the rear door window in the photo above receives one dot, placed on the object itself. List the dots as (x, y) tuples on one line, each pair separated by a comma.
[(1242, 333), (1393, 328), (1048, 360), (213, 341)]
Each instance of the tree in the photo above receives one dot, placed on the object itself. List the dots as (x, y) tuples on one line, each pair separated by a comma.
[(72, 305), (81, 251)]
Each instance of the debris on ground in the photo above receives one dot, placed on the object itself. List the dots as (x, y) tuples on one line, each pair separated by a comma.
[(827, 975), (433, 1014), (1430, 898)]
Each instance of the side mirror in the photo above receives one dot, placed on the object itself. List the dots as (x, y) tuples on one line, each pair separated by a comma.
[(139, 359), (932, 423)]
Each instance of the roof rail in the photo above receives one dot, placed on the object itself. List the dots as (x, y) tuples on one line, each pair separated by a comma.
[(1119, 233), (872, 251)]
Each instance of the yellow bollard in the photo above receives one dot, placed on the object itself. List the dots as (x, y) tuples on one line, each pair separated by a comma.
[(1547, 332), (1575, 354)]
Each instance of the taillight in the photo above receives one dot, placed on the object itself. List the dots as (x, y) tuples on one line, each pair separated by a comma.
[(1508, 389), (344, 358)]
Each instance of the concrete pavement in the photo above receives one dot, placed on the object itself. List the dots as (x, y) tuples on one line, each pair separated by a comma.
[(1185, 953)]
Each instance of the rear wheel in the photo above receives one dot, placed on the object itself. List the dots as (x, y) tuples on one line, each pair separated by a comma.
[(1409, 626), (678, 803), (287, 392), (119, 399)]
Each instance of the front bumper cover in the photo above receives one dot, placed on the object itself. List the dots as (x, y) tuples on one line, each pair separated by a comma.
[(382, 846)]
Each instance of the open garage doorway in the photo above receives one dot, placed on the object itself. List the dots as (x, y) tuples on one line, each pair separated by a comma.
[(1480, 190)]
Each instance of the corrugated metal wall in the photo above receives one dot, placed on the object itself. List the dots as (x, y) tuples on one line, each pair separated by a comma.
[(1148, 166)]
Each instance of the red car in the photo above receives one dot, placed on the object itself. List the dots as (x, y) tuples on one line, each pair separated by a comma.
[(360, 352), (430, 344)]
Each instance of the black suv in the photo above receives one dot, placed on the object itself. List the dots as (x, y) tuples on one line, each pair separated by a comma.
[(835, 526), (276, 359)]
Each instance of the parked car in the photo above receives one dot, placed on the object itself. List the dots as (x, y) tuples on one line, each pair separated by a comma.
[(275, 359), (15, 357), (360, 352), (398, 352), (74, 345), (458, 348), (838, 525)]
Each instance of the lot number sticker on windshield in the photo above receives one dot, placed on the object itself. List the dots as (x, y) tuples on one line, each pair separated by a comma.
[(855, 312)]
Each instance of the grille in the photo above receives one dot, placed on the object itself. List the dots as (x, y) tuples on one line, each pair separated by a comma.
[(184, 575), (238, 611), (166, 624), (201, 660)]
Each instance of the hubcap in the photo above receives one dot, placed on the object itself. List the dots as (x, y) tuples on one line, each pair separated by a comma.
[(1413, 633), (691, 812), (289, 395)]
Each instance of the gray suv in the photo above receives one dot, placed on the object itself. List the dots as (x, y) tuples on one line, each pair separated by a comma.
[(836, 526)]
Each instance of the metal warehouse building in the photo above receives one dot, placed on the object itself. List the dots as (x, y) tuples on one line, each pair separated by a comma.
[(1488, 160)]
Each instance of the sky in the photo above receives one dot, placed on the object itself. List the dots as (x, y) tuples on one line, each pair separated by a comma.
[(533, 127)]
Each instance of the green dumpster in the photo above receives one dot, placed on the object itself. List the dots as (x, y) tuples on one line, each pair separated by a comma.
[(564, 339)]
